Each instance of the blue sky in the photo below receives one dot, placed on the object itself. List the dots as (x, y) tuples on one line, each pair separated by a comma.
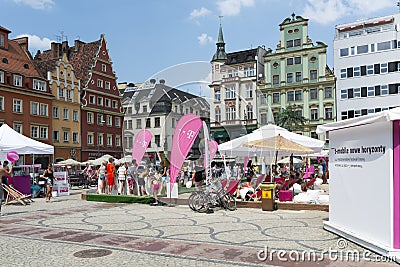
[(146, 37)]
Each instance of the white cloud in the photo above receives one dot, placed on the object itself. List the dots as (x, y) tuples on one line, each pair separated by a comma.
[(204, 38), (36, 4), (233, 7), (197, 13), (37, 43), (328, 11)]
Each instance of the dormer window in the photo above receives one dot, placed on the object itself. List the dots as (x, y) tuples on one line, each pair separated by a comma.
[(18, 80), (26, 66), (2, 40), (5, 60)]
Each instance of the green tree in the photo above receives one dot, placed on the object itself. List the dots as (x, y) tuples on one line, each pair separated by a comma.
[(291, 119)]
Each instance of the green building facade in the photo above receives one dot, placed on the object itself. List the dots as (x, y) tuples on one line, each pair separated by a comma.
[(296, 75)]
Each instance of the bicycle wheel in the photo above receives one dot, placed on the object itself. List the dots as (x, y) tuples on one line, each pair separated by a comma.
[(229, 202), (192, 200)]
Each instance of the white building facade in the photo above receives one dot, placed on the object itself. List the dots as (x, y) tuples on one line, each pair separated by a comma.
[(367, 66)]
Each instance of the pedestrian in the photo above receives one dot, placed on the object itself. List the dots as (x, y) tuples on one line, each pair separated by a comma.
[(199, 176), (3, 172), (235, 170), (48, 174), (101, 173), (110, 175), (155, 178), (141, 182), (164, 175), (122, 172)]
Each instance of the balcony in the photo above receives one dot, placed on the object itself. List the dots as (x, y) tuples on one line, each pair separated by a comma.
[(230, 79)]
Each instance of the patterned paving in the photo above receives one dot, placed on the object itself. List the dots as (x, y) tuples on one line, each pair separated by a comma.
[(166, 235)]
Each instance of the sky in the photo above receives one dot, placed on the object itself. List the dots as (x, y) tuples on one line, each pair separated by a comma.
[(159, 37)]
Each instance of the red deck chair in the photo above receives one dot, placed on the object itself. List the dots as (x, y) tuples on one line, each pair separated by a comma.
[(309, 184), (233, 185), (279, 180)]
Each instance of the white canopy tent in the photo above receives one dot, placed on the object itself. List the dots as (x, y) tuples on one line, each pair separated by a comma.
[(235, 147), (11, 140), (69, 162), (287, 160), (98, 161)]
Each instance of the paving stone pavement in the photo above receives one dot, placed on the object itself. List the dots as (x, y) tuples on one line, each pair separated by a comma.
[(57, 233)]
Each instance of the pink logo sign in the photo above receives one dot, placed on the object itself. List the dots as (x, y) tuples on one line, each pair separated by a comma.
[(140, 145)]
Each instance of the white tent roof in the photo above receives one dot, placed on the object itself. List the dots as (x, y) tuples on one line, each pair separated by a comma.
[(69, 162), (387, 115), (287, 160), (235, 147), (11, 140)]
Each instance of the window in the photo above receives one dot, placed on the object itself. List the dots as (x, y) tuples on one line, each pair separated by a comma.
[(249, 112), (230, 113), (384, 68), (92, 99), (66, 136), (263, 118), (145, 108), (17, 127), (371, 91), (235, 73), (90, 139), (1, 77), (114, 104), (148, 123), (314, 135), (350, 93), (18, 80), (44, 110), (289, 43), (344, 52), (35, 131), (297, 60), (66, 114), (99, 83), (75, 137), (100, 138), (34, 108), (230, 92), (138, 124), (109, 140), (263, 99), (313, 93), (108, 104), (370, 69), (130, 124), (217, 115), (56, 136), (1, 40), (344, 115), (75, 115), (362, 49), (17, 105), (249, 90), (103, 67), (343, 73), (248, 72), (107, 85), (157, 140), (173, 122), (314, 114), (1, 102), (69, 94), (298, 76), (109, 120), (44, 133), (157, 122), (217, 95), (298, 96), (290, 96), (384, 46), (289, 61), (356, 72), (118, 140), (328, 113), (372, 47), (328, 92), (343, 94), (39, 85), (297, 42), (384, 90), (275, 98), (90, 117), (117, 122), (60, 92), (100, 119), (275, 79), (290, 77), (99, 101), (352, 50), (313, 74), (56, 112)]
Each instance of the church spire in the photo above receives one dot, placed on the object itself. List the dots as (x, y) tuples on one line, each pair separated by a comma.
[(220, 54)]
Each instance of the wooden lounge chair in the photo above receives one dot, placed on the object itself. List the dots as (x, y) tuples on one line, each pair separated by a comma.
[(13, 195)]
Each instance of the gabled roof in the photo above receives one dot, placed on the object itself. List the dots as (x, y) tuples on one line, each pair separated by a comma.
[(83, 57), (19, 60), (4, 29), (242, 56)]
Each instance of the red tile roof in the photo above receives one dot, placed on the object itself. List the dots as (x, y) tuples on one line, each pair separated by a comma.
[(4, 29), (17, 58), (84, 59)]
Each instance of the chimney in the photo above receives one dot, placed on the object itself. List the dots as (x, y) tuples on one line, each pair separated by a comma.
[(78, 44), (56, 50), (64, 47), (23, 43)]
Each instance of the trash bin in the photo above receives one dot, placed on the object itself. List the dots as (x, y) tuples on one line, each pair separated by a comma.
[(268, 196)]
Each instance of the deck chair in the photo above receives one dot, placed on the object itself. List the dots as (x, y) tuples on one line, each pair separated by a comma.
[(255, 196), (232, 186), (309, 184), (279, 180), (257, 191), (13, 195)]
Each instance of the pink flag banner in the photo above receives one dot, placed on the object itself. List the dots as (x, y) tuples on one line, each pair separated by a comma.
[(186, 131), (142, 140), (246, 160), (212, 149)]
